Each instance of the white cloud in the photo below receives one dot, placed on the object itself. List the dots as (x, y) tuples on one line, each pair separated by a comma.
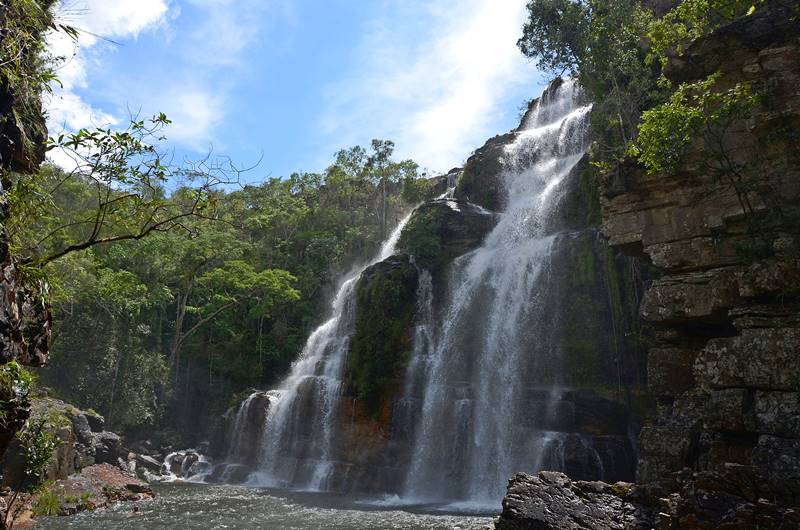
[(120, 18), (195, 115), (436, 90), (189, 85), (69, 112), (95, 20)]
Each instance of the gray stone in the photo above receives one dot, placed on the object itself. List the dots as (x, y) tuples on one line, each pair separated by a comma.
[(669, 370), (758, 358), (107, 447), (730, 409), (778, 413), (551, 501)]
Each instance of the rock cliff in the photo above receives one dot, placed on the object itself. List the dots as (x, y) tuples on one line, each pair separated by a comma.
[(24, 317), (723, 448)]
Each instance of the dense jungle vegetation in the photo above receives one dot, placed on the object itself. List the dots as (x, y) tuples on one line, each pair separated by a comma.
[(169, 299)]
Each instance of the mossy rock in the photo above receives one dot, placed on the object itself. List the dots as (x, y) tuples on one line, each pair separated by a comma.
[(481, 182), (382, 340), (444, 229)]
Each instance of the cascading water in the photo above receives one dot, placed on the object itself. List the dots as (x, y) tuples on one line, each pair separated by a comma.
[(509, 351), (480, 419), (298, 435)]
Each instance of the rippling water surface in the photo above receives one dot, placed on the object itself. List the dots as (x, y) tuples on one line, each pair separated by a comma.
[(186, 506)]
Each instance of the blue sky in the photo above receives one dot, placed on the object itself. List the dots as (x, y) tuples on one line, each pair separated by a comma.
[(292, 81)]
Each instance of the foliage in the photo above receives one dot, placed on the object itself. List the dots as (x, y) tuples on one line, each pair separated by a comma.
[(557, 33), (691, 20), (618, 49), (600, 42), (14, 379), (37, 444), (15, 387), (47, 504), (163, 330), (24, 74), (118, 187), (693, 110)]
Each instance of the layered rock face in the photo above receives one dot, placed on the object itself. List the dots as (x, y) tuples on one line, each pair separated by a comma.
[(723, 449), (726, 367)]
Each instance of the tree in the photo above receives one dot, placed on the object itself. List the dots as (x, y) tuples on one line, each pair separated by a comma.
[(232, 284), (124, 176), (602, 43), (557, 33)]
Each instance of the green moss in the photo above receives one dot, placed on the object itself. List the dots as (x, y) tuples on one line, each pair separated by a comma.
[(422, 239), (56, 419), (582, 256), (591, 193), (615, 292), (381, 342), (474, 185), (621, 490), (480, 182)]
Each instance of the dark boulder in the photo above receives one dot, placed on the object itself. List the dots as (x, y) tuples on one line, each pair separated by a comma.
[(444, 229), (107, 447), (382, 340), (551, 501), (96, 422), (237, 436), (481, 182)]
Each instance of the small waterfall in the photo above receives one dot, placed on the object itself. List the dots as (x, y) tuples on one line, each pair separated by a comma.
[(423, 335), (475, 427), (234, 447), (298, 436)]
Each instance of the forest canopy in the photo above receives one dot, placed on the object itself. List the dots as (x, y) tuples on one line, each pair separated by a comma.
[(174, 288)]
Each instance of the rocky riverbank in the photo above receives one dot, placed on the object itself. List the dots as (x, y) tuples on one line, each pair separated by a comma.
[(89, 469)]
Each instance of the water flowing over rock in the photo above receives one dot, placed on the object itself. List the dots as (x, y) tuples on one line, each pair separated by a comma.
[(482, 417), (478, 344), (295, 441)]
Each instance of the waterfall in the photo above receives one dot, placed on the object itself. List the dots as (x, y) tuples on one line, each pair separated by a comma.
[(298, 437), (480, 419)]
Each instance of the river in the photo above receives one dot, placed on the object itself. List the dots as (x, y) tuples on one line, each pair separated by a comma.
[(188, 506)]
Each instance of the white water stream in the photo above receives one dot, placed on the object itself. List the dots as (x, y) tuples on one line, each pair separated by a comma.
[(470, 414), (474, 431), (299, 435)]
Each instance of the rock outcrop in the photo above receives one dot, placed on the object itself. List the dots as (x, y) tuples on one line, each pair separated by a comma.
[(82, 442), (726, 306), (94, 487), (551, 501), (249, 416), (443, 229), (480, 182), (382, 340), (24, 318)]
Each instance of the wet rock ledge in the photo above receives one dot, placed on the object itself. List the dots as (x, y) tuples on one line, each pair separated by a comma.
[(706, 501)]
